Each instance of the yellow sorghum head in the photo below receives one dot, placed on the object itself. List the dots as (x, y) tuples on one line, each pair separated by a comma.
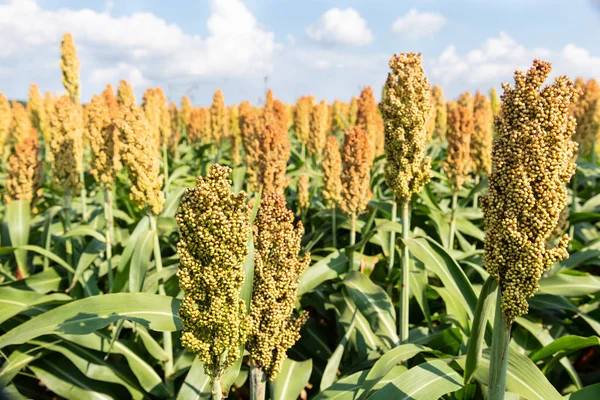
[(36, 110), (141, 157), (175, 134), (494, 102), (273, 156), (366, 118), (199, 126), (218, 118), (318, 129), (337, 116), (250, 131), (269, 99), (108, 94), (164, 120), (532, 161), (302, 119), (405, 109), (102, 135), (587, 114), (21, 124), (332, 172), (460, 126), (289, 115), (69, 64), (356, 167), (185, 113), (66, 132), (235, 135), (23, 169), (214, 227), (125, 94), (482, 138), (430, 125), (280, 114), (151, 106), (5, 122), (277, 267), (303, 192), (441, 114), (352, 112)]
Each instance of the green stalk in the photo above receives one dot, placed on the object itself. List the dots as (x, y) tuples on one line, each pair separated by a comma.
[(499, 352), (166, 165), (217, 392), (352, 241), (392, 244), (334, 226), (404, 281), (108, 212), (167, 338), (83, 195), (573, 206), (258, 383), (69, 242), (453, 220)]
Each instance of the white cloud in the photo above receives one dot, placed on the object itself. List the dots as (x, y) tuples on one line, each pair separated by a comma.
[(416, 25), (496, 60), (142, 46), (340, 27)]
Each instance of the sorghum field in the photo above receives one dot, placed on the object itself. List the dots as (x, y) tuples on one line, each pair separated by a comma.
[(416, 248)]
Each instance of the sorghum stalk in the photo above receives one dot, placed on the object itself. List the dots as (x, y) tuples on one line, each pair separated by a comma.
[(277, 266), (332, 184), (356, 167), (406, 107), (533, 159), (214, 226), (258, 383), (393, 218)]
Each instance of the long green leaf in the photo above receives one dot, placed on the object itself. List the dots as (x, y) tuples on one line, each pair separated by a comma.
[(291, 379), (90, 314), (196, 385), (91, 252), (374, 303), (138, 267), (17, 217), (430, 380), (565, 345), (333, 364), (484, 306), (14, 301), (325, 269), (570, 285)]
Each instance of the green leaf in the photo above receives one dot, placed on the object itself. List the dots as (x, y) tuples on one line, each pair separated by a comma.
[(85, 231), (387, 362), (570, 285), (291, 380), (138, 267), (47, 254), (523, 377), (587, 393), (122, 272), (325, 269), (91, 252), (565, 345), (90, 314), (426, 381), (374, 303), (60, 377), (14, 301), (17, 360), (443, 265), (17, 217), (196, 385), (333, 364), (484, 306), (98, 341), (545, 301), (42, 282)]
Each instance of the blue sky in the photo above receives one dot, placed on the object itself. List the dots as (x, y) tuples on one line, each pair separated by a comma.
[(324, 47)]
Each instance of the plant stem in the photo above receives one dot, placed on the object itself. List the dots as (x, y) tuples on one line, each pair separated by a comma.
[(166, 165), (476, 196), (217, 392), (404, 280), (167, 338), (69, 242), (108, 212), (334, 226), (452, 220), (499, 352), (258, 383), (573, 206), (352, 241), (392, 245)]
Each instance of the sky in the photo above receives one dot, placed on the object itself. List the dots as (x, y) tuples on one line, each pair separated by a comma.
[(328, 48)]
